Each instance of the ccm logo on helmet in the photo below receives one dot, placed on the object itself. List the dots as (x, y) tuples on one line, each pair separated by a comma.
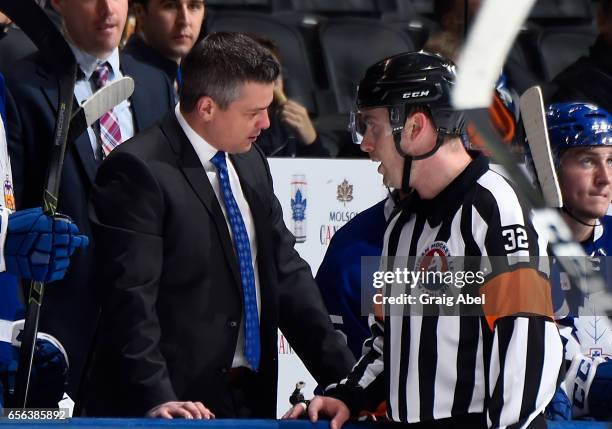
[(415, 94)]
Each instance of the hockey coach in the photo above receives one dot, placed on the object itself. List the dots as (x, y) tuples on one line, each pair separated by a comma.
[(196, 265)]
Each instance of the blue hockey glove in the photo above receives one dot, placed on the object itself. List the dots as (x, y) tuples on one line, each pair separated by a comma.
[(49, 373), (560, 407), (600, 393), (39, 247)]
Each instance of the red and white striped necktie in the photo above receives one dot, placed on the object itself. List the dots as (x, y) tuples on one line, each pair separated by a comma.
[(110, 132)]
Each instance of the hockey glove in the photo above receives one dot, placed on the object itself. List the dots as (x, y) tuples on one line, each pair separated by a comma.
[(39, 247), (560, 407), (600, 393), (49, 373)]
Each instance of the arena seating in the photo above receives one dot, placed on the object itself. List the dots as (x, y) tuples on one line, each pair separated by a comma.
[(558, 47), (350, 46), (326, 45), (297, 70)]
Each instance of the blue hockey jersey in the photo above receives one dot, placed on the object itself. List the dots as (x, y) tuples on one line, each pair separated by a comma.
[(341, 275), (587, 336)]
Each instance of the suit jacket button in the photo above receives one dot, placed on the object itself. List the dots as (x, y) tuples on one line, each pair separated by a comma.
[(223, 370), (233, 324)]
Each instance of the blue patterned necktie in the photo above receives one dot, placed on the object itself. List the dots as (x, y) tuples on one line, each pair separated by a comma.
[(252, 345)]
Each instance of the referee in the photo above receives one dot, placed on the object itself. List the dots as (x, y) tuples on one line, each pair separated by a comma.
[(498, 368)]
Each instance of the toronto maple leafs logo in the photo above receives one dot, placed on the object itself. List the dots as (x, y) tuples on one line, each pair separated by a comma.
[(593, 330), (345, 192), (298, 206)]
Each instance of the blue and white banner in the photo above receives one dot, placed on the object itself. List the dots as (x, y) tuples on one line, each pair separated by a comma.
[(318, 196)]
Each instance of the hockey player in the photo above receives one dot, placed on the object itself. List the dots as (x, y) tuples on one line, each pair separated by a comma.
[(341, 275), (581, 142), (32, 246), (448, 371)]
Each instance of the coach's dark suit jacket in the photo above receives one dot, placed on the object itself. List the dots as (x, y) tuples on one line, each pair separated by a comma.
[(70, 308), (174, 301)]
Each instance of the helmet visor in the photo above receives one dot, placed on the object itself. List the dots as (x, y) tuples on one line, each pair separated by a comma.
[(370, 124), (357, 127)]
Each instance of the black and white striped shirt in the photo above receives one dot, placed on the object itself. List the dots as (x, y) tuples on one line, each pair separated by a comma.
[(503, 367)]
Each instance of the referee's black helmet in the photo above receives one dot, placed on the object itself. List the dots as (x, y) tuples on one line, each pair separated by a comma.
[(413, 79)]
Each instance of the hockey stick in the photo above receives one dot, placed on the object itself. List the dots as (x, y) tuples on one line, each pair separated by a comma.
[(98, 104), (532, 112), (52, 45), (89, 112), (495, 28)]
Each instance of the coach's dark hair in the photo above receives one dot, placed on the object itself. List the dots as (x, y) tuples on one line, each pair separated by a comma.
[(267, 43), (220, 64)]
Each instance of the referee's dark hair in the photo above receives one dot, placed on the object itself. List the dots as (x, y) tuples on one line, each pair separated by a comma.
[(220, 64)]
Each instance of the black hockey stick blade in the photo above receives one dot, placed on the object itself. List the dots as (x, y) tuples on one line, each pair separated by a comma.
[(54, 48), (534, 120), (98, 104)]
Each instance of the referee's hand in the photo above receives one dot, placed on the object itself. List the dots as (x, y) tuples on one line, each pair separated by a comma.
[(325, 406)]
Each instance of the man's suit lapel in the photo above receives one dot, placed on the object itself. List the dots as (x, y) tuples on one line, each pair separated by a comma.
[(138, 99), (82, 145), (190, 165)]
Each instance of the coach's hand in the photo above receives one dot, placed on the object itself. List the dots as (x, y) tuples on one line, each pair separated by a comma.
[(38, 246), (325, 406), (185, 410)]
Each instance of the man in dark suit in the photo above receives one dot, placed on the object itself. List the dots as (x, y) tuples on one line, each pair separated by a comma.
[(197, 266), (93, 29), (166, 30)]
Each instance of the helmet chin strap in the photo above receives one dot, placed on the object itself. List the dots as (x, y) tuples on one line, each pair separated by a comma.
[(406, 174), (573, 216), (397, 138)]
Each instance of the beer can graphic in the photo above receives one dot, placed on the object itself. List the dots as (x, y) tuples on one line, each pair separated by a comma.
[(298, 207), (9, 197)]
